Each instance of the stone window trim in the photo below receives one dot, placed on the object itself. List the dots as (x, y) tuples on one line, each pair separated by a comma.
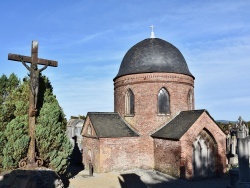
[(168, 114), (129, 115), (190, 98), (129, 103), (163, 102)]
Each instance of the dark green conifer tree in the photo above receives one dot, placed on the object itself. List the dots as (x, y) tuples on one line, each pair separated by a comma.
[(53, 145), (13, 121), (3, 86), (14, 139)]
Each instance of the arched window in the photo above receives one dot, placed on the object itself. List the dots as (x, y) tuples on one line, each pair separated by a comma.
[(130, 102), (190, 100), (163, 102), (204, 155)]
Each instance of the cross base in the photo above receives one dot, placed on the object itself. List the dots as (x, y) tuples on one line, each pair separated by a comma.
[(30, 164)]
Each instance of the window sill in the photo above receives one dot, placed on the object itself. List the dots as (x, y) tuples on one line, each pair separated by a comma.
[(132, 115), (163, 114)]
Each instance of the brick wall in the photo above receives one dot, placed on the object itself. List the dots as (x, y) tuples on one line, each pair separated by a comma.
[(203, 123), (91, 145), (118, 154), (146, 119), (145, 88), (176, 157), (108, 154), (167, 155)]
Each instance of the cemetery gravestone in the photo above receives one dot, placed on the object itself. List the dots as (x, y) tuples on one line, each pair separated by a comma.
[(238, 145)]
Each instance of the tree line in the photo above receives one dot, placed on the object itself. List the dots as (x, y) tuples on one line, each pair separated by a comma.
[(225, 126)]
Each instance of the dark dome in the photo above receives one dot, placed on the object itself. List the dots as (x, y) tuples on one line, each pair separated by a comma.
[(153, 55)]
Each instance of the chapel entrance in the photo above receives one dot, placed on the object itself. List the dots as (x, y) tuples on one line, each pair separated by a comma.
[(204, 156)]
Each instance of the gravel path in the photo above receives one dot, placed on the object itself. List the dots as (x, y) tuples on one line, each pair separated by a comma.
[(141, 179)]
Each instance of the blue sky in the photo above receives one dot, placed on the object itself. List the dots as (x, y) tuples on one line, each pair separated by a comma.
[(90, 38)]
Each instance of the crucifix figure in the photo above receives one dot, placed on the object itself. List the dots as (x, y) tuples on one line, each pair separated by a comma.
[(34, 82), (34, 73)]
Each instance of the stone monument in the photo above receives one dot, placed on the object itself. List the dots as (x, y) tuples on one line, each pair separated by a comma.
[(238, 140), (238, 131), (243, 157)]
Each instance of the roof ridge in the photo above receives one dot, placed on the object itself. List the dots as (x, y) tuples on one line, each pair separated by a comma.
[(203, 110), (176, 128), (102, 113)]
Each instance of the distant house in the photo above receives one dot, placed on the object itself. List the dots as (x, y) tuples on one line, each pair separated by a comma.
[(74, 128)]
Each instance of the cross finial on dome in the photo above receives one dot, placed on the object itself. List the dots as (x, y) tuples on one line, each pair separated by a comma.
[(152, 35)]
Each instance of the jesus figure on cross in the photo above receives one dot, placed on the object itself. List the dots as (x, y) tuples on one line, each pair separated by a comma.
[(34, 79)]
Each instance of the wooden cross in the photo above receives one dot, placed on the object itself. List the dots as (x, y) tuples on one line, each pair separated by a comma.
[(32, 160), (34, 57), (34, 72)]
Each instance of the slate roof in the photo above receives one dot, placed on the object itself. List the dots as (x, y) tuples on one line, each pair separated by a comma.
[(178, 126), (110, 125), (153, 55)]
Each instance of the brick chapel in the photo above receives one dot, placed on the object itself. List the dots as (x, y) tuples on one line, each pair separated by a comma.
[(154, 124)]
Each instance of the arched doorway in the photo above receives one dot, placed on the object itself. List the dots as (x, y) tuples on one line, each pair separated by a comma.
[(204, 155)]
